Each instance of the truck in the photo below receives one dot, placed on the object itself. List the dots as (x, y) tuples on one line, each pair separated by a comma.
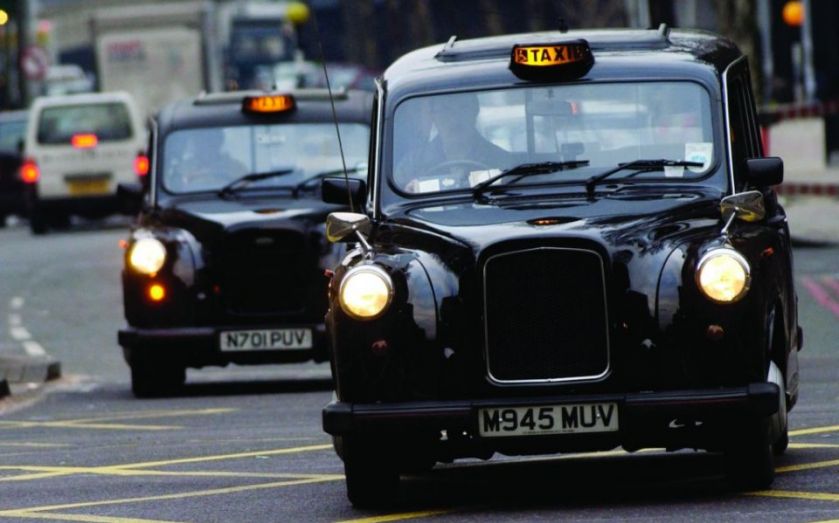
[(162, 52)]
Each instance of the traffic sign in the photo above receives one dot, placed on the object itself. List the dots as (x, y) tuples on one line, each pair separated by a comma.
[(34, 62)]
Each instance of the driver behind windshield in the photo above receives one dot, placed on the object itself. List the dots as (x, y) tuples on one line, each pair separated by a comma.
[(442, 148), (202, 161)]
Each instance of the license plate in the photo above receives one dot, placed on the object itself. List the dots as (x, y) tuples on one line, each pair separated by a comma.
[(548, 419), (86, 187), (266, 339)]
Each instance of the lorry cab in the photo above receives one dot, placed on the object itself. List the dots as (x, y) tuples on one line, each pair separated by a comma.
[(569, 242)]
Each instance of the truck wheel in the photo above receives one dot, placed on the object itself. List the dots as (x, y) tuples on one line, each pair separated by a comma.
[(749, 460), (372, 479), (149, 380)]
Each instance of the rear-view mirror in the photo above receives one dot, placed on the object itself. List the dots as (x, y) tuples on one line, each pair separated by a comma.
[(341, 225), (765, 172)]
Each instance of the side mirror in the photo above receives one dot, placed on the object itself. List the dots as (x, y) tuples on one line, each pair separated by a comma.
[(747, 206), (335, 189), (130, 197), (765, 172), (340, 225)]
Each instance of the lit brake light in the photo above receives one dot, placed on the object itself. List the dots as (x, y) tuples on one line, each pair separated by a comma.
[(84, 141), (141, 165), (29, 171)]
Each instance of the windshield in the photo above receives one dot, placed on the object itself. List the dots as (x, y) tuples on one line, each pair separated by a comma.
[(208, 159), (108, 121), (455, 141), (11, 133)]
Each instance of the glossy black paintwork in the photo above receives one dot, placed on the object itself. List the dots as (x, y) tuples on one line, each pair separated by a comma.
[(649, 235), (196, 229)]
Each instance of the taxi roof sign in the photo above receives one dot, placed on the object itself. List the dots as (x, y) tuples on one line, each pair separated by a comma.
[(269, 103), (547, 62)]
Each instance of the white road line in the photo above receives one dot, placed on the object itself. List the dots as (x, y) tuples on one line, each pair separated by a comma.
[(16, 302), (15, 319), (33, 348), (20, 333)]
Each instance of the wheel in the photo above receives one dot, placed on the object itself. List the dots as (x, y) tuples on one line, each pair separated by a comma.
[(372, 478), (781, 444), (749, 459), (150, 380), (37, 223)]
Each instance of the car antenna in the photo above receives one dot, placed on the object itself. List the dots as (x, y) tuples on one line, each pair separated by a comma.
[(334, 113)]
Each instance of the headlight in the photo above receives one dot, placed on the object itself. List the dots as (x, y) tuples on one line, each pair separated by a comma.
[(723, 275), (365, 292), (147, 255)]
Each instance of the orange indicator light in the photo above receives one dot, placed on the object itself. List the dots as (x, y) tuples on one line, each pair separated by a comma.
[(276, 103), (29, 172), (157, 292), (84, 141), (141, 165)]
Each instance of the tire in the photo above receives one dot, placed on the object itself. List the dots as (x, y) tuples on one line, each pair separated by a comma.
[(37, 223), (782, 443), (149, 380), (372, 478), (749, 458)]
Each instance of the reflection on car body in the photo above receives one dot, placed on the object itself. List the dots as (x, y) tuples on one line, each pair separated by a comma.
[(596, 259), (226, 264)]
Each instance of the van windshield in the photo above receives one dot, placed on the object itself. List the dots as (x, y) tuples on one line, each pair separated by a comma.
[(456, 141), (108, 121)]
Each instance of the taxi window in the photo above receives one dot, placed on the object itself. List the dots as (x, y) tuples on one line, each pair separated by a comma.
[(108, 121), (207, 159), (454, 141)]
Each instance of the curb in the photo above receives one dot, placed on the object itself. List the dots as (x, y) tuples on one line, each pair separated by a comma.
[(27, 369)]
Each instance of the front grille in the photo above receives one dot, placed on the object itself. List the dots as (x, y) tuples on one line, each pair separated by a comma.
[(264, 272), (546, 317)]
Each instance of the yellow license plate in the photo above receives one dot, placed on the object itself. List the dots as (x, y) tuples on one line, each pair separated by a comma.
[(87, 187)]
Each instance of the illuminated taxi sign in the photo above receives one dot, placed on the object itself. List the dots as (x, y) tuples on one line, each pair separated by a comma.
[(273, 103), (551, 61)]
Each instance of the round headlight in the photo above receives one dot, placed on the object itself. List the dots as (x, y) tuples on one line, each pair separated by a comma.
[(723, 275), (147, 255), (366, 292)]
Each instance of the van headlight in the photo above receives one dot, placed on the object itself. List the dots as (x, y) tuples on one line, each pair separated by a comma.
[(723, 275), (365, 292), (147, 255)]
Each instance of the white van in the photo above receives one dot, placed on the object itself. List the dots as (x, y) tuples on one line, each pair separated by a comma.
[(78, 148)]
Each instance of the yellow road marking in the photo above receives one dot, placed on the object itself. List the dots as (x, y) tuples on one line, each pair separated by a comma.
[(77, 425), (102, 422), (181, 495), (812, 496), (814, 430), (79, 517), (27, 444), (130, 469), (44, 472), (814, 445), (221, 457), (808, 466), (398, 517)]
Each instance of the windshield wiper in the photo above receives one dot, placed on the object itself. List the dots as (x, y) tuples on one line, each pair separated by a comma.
[(308, 181), (528, 169), (637, 165), (238, 183)]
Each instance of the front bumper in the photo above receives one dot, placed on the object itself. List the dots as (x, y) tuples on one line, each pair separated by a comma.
[(199, 346), (673, 419)]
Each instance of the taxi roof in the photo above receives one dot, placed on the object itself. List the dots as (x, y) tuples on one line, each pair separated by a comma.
[(225, 109), (618, 53)]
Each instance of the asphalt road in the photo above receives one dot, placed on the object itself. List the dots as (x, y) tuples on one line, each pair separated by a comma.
[(245, 445)]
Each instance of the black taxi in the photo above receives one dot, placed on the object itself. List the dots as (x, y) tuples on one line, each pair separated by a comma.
[(569, 241), (226, 261)]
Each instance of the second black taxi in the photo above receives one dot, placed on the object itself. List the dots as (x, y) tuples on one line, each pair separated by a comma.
[(226, 263)]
